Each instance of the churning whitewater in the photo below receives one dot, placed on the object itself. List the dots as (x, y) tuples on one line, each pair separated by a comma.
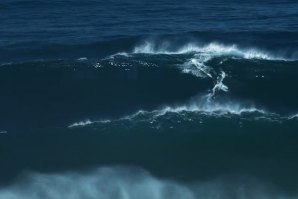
[(133, 183)]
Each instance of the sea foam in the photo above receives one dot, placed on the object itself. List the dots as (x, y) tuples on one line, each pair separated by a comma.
[(135, 183)]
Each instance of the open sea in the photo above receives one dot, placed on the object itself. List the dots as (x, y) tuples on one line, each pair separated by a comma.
[(160, 99)]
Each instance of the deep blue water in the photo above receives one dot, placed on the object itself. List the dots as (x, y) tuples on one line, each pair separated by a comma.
[(148, 99)]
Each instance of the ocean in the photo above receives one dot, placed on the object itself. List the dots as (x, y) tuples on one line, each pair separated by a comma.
[(159, 99)]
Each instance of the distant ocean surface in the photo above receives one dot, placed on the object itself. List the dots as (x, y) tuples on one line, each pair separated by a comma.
[(160, 99)]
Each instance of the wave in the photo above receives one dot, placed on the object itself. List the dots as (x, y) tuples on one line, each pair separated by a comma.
[(211, 104), (135, 183), (208, 104), (212, 49), (201, 54), (154, 77), (201, 110), (200, 105)]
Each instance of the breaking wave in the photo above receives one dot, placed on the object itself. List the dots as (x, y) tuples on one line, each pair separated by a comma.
[(201, 109), (212, 50), (134, 183), (201, 54), (202, 105)]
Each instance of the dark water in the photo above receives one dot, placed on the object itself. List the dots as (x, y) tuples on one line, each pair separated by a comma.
[(148, 99)]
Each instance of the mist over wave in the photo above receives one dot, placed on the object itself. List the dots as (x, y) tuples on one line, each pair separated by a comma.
[(135, 183), (212, 49)]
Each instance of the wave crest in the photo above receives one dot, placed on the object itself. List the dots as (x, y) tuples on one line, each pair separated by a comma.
[(211, 49), (200, 55), (201, 106)]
